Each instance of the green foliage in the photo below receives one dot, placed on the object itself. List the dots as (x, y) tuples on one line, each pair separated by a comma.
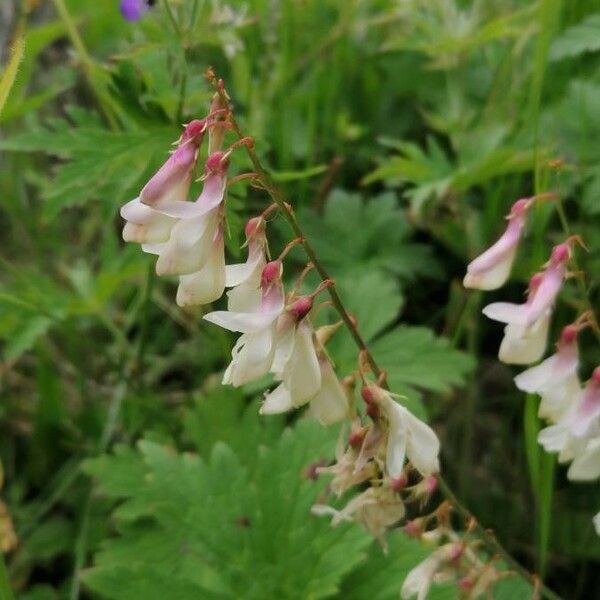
[(577, 39), (215, 529)]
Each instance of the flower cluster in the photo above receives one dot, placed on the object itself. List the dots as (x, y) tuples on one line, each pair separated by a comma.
[(572, 410), (389, 452)]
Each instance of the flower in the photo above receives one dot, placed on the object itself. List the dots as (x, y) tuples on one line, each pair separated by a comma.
[(490, 270), (133, 10), (523, 344), (544, 294), (419, 580), (244, 278), (586, 464), (330, 404), (194, 236), (555, 379), (171, 183), (252, 355), (407, 437), (376, 509)]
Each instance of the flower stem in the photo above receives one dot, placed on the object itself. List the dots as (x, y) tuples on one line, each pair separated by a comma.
[(489, 539)]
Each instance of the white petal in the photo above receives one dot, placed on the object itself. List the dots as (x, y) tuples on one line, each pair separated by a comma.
[(277, 401), (397, 438), (586, 466), (302, 374), (189, 246), (423, 445), (491, 278), (251, 357), (524, 345), (505, 312), (596, 521), (419, 580), (210, 198), (244, 298), (145, 225), (330, 405), (534, 379), (558, 399), (553, 438), (251, 269), (206, 285)]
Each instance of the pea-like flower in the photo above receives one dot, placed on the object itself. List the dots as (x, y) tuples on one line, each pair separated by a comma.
[(145, 222), (490, 270), (555, 379)]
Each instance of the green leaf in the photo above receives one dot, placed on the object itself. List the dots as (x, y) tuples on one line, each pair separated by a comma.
[(189, 528), (578, 39)]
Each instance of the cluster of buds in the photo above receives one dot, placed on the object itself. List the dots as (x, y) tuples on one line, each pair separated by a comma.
[(453, 558), (383, 449), (572, 410)]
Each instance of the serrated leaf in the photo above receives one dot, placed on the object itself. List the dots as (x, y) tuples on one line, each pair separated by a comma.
[(578, 39), (218, 530), (357, 236)]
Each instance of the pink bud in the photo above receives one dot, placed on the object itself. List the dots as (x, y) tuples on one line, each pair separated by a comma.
[(560, 254), (253, 226), (367, 394), (455, 552), (301, 307), (271, 273), (194, 131), (413, 528), (465, 584), (216, 163), (519, 208), (372, 411), (596, 376), (430, 484), (535, 281), (568, 335), (399, 483), (355, 439)]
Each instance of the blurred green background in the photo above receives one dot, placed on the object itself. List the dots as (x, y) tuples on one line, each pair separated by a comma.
[(402, 131)]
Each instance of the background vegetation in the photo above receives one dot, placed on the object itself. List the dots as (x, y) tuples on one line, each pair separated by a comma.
[(402, 132)]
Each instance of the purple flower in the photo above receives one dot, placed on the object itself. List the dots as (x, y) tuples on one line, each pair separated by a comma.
[(133, 10)]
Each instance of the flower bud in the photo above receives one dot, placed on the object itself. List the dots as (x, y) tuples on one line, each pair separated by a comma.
[(356, 438), (194, 130), (465, 584), (596, 376), (254, 226), (414, 528), (399, 483), (271, 273), (367, 394), (568, 335), (560, 254), (372, 411), (217, 162), (301, 307)]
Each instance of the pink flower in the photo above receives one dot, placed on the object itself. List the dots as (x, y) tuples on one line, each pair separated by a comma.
[(171, 183), (490, 270)]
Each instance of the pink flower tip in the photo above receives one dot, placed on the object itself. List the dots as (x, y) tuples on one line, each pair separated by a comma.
[(372, 411), (535, 281), (355, 439), (596, 376), (271, 273), (217, 163), (399, 483), (465, 584), (367, 394), (413, 529), (430, 484), (568, 335), (194, 131), (456, 551), (301, 307), (560, 254), (519, 208), (253, 226)]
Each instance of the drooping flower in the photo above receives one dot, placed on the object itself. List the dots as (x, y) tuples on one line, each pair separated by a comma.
[(571, 433), (490, 270), (555, 379), (252, 355), (542, 300), (193, 237), (407, 438), (171, 183)]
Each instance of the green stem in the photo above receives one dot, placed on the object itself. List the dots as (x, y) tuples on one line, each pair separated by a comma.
[(172, 18), (487, 537), (5, 589)]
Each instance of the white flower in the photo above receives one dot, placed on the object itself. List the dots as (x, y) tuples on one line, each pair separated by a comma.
[(330, 404), (171, 183), (490, 270), (408, 437), (253, 353), (555, 379), (586, 464), (419, 580), (245, 278)]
